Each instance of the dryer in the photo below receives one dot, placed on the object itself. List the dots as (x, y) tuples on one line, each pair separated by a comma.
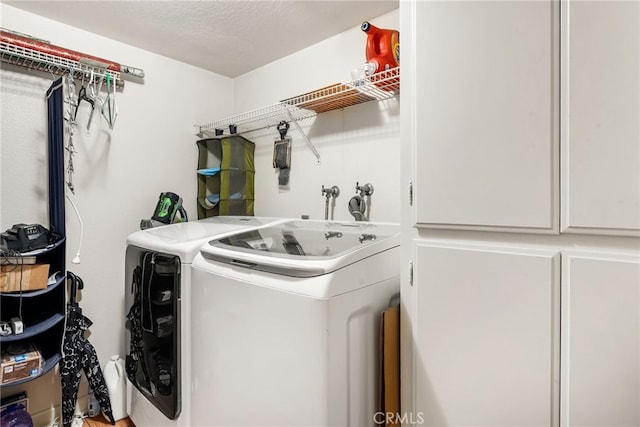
[(286, 323), (158, 303)]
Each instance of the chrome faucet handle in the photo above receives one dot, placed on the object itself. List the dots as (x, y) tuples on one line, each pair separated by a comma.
[(365, 190), (331, 192)]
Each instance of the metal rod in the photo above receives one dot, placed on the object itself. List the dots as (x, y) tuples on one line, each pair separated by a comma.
[(326, 208)]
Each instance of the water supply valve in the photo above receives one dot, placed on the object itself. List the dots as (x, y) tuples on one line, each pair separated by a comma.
[(358, 205), (329, 193), (365, 190)]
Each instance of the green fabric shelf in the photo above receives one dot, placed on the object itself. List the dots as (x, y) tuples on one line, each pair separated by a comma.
[(226, 176)]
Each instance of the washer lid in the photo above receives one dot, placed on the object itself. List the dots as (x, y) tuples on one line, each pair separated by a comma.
[(303, 248), (185, 239)]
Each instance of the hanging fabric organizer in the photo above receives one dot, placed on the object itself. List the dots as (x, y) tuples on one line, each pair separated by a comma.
[(35, 54), (226, 174)]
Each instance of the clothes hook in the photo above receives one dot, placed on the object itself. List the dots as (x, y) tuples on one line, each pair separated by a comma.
[(283, 128)]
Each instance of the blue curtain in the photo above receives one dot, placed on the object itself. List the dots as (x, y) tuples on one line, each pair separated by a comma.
[(55, 119)]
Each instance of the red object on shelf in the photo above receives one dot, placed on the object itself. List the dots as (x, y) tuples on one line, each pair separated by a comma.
[(383, 47), (382, 52)]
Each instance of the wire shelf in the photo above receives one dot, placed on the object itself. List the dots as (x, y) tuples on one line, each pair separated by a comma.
[(40, 61), (377, 87), (260, 118)]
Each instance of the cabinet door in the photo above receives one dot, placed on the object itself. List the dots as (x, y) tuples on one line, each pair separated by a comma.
[(601, 117), (486, 121), (486, 325), (600, 383)]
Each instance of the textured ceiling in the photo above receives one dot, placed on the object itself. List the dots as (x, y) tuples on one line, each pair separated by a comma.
[(229, 37)]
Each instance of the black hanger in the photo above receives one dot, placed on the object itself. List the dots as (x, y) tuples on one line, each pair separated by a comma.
[(76, 283), (82, 96)]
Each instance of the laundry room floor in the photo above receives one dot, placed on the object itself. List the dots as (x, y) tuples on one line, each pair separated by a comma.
[(101, 421)]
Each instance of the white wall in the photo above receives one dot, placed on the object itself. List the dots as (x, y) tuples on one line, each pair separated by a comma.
[(360, 143), (119, 172)]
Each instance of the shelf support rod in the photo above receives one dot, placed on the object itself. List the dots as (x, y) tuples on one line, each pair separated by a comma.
[(304, 136)]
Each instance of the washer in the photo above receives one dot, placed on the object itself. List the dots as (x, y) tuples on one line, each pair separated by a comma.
[(286, 324), (158, 261)]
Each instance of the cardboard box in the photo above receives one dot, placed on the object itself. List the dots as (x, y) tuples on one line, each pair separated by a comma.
[(13, 260), (389, 374), (33, 277), (15, 399), (15, 367)]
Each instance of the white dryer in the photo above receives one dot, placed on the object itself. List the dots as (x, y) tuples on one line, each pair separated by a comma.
[(158, 303), (286, 323)]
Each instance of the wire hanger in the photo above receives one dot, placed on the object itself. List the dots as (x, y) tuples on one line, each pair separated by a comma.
[(82, 96), (109, 106)]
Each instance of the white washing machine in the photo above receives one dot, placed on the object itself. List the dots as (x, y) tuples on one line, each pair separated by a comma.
[(286, 324), (158, 303)]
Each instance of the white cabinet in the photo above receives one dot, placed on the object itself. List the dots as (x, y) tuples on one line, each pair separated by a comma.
[(486, 335), (493, 115), (601, 117), (486, 81), (521, 141), (600, 383)]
